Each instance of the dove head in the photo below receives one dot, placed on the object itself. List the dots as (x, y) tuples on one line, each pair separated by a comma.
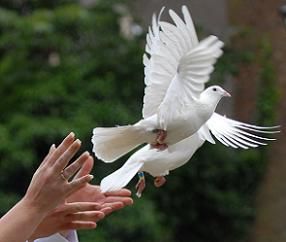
[(213, 94)]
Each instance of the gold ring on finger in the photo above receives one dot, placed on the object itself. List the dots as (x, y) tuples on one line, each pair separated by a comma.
[(63, 175)]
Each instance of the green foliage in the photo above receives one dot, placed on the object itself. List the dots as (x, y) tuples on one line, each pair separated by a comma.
[(64, 67), (61, 69)]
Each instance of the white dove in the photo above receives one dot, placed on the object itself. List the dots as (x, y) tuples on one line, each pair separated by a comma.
[(175, 102), (158, 163)]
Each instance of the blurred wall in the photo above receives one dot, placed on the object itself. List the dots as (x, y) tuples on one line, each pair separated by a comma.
[(262, 19)]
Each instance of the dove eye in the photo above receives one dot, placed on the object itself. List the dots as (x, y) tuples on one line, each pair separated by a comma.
[(214, 89)]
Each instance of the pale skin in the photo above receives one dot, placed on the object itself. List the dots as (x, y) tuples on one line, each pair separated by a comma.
[(47, 190), (79, 217)]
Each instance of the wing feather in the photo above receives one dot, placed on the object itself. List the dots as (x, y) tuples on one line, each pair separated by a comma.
[(181, 30), (238, 134), (190, 26)]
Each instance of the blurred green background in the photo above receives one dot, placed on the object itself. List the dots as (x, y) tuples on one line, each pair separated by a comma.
[(66, 67)]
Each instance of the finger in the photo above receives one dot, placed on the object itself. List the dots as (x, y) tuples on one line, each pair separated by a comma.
[(76, 165), (106, 210), (114, 206), (67, 156), (93, 216), (121, 192), (86, 168), (78, 183), (76, 225), (125, 200), (69, 139), (51, 150), (80, 207)]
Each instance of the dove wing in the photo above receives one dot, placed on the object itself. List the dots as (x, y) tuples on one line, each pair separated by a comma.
[(178, 67), (154, 71), (165, 45), (238, 134)]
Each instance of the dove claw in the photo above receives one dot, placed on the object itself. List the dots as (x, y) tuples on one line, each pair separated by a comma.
[(160, 140), (159, 146), (159, 181)]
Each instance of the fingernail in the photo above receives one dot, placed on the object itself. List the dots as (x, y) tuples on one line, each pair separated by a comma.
[(78, 141), (101, 215), (107, 210), (85, 155), (53, 146), (130, 202), (72, 134), (90, 177)]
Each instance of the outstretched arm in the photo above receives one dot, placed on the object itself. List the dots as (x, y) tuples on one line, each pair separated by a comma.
[(49, 188)]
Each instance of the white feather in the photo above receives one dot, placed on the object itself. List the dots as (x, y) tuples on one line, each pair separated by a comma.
[(233, 133)]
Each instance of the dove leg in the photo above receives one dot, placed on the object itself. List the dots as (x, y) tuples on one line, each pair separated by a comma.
[(160, 139), (159, 181), (161, 136), (140, 186)]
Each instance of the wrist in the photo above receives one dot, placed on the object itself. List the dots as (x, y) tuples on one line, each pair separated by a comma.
[(33, 208)]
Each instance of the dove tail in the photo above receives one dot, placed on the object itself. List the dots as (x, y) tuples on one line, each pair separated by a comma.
[(121, 177), (111, 143)]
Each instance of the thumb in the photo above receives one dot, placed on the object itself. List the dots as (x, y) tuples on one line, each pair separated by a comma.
[(86, 168)]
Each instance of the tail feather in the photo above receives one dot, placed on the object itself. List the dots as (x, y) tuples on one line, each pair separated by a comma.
[(111, 143), (121, 177)]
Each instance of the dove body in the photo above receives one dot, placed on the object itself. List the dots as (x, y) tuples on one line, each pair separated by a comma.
[(112, 143), (187, 119), (156, 163)]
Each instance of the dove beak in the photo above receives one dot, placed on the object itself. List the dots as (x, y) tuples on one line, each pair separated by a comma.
[(226, 94)]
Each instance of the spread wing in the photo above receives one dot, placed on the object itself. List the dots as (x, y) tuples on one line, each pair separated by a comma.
[(237, 134), (152, 69), (177, 64)]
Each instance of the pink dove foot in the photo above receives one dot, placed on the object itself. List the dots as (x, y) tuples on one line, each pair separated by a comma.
[(160, 140), (159, 181)]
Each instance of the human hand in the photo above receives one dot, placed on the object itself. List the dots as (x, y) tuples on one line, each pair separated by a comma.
[(69, 216), (91, 193), (50, 186)]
